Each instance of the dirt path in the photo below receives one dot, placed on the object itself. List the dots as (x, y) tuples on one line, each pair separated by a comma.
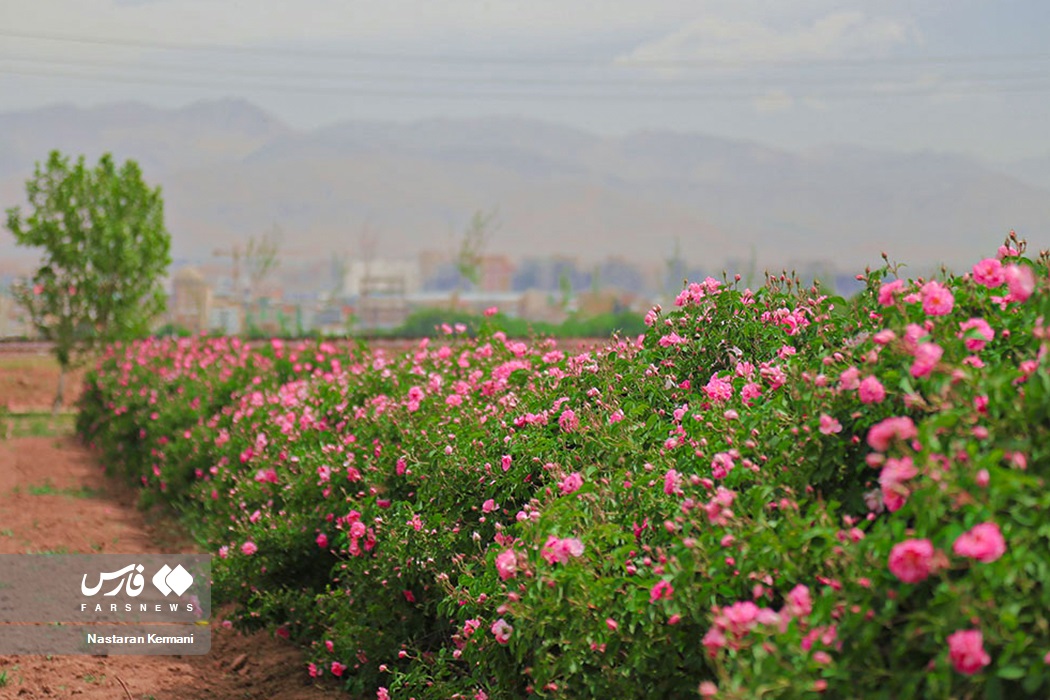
[(55, 498)]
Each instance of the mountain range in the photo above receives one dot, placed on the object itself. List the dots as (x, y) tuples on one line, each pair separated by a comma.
[(230, 170)]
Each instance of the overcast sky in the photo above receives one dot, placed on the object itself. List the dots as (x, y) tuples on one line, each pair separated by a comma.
[(967, 76)]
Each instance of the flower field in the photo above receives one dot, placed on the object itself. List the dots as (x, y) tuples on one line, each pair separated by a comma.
[(771, 493)]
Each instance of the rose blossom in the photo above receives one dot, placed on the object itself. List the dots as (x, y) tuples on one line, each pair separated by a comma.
[(989, 272), (1020, 281), (561, 550), (984, 331), (926, 358), (829, 425), (888, 292), (507, 564), (571, 483), (937, 300), (662, 589), (912, 560), (849, 379), (983, 542), (501, 630), (892, 478), (568, 421), (966, 651), (889, 429), (799, 603), (871, 390)]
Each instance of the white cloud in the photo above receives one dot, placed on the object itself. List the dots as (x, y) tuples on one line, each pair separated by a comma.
[(727, 40), (709, 28), (773, 101)]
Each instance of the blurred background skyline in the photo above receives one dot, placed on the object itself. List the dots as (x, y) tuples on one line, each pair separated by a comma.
[(649, 140), (965, 76)]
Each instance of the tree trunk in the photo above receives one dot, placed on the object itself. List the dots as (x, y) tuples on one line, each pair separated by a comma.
[(60, 393)]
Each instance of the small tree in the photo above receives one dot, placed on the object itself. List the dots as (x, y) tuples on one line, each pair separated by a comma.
[(469, 256), (104, 247), (261, 258)]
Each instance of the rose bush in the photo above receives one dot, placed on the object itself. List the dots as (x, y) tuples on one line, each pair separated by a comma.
[(772, 492)]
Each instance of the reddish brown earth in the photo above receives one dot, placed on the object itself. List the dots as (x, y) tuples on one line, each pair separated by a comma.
[(54, 497), (28, 380)]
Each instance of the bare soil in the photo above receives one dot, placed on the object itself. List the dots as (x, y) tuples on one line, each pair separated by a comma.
[(55, 497), (28, 381)]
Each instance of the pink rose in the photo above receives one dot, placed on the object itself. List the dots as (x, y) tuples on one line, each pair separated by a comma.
[(912, 560), (983, 542), (927, 356), (662, 590), (571, 484), (871, 391), (966, 651), (507, 564), (713, 641), (829, 425), (888, 292), (568, 421), (984, 331), (337, 669), (892, 481), (799, 603), (884, 337), (885, 431), (849, 379), (502, 630), (249, 548), (672, 482), (718, 389), (1020, 281), (989, 272), (937, 300), (559, 551), (912, 333)]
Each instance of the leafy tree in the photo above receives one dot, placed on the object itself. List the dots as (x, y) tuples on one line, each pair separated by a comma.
[(262, 257), (104, 247), (472, 246)]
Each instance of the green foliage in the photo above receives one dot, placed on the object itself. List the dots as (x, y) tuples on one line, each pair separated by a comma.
[(101, 233), (707, 509), (427, 322), (472, 246)]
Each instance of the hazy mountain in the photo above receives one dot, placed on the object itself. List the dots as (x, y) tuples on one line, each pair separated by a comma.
[(1035, 170), (230, 170)]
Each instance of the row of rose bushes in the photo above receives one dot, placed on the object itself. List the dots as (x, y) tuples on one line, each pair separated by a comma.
[(770, 493)]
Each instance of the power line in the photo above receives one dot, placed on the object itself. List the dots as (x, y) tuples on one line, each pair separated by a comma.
[(769, 81), (1040, 86), (476, 59)]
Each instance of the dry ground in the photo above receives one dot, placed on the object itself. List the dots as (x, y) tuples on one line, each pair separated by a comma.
[(28, 381), (54, 497)]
